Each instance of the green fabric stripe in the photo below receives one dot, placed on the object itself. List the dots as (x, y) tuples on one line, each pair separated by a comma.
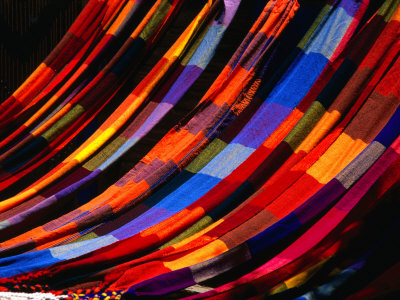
[(60, 126), (154, 21), (195, 45), (388, 8), (104, 154), (314, 26), (215, 147), (89, 236), (198, 226), (302, 129)]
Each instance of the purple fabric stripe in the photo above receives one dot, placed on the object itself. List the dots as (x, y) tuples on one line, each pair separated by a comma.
[(186, 79), (320, 201), (164, 283)]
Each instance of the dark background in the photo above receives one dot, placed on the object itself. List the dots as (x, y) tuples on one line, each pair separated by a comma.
[(29, 30)]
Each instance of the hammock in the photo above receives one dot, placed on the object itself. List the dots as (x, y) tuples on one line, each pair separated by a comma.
[(263, 189)]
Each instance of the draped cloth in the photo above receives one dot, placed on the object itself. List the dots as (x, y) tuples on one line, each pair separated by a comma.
[(260, 190)]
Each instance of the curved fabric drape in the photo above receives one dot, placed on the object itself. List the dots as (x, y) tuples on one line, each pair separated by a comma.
[(271, 185)]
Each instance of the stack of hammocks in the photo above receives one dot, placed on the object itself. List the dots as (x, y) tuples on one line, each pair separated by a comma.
[(278, 181)]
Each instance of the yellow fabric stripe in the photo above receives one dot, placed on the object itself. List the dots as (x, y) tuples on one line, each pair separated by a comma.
[(322, 128), (209, 251), (337, 157)]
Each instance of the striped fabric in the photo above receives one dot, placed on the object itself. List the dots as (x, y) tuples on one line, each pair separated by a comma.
[(107, 200), (96, 13), (49, 134), (146, 120), (156, 112), (266, 188), (109, 37), (150, 216)]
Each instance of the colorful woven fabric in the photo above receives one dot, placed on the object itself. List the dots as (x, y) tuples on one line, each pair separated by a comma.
[(261, 190), (113, 202), (77, 35), (102, 48), (62, 194), (232, 236), (124, 230), (80, 106), (153, 112)]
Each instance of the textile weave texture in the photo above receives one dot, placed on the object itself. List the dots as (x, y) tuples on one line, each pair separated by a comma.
[(218, 149)]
